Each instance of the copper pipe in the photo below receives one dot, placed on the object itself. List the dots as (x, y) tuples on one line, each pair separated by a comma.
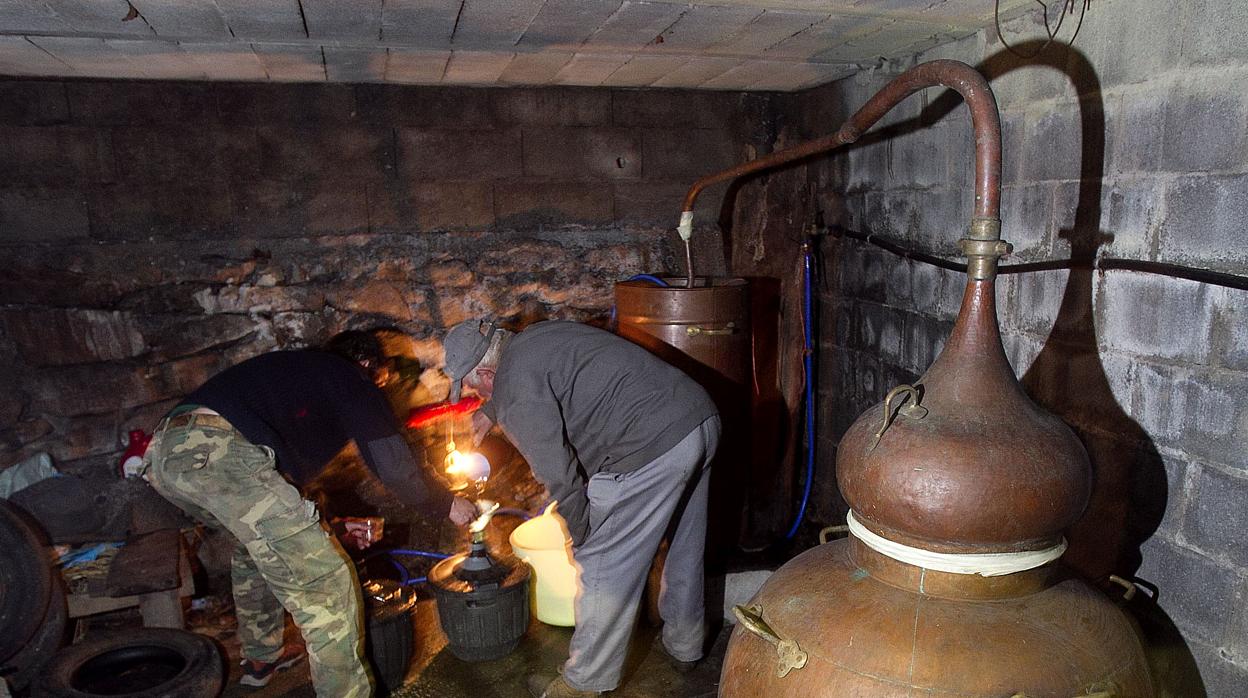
[(985, 122)]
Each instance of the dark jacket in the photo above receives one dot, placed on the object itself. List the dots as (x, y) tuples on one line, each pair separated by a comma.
[(307, 405)]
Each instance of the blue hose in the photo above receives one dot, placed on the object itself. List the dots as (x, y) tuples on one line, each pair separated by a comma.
[(404, 574), (638, 277), (413, 581), (649, 277), (417, 553), (511, 511), (810, 402)]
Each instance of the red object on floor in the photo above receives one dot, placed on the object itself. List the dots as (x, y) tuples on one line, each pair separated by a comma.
[(428, 414), (132, 459)]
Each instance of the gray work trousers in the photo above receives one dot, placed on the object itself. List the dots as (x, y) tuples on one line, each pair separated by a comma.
[(628, 515)]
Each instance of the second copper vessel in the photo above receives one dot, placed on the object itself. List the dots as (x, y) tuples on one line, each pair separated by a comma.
[(960, 488)]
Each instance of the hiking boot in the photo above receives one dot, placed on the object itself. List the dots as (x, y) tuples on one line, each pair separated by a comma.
[(546, 686), (258, 674), (680, 665)]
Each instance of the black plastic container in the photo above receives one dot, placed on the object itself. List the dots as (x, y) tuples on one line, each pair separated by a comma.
[(483, 604), (389, 639)]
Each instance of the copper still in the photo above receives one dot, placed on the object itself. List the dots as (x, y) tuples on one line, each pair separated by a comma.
[(703, 328), (960, 488)]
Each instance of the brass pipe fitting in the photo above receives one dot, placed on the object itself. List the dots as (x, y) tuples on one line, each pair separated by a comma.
[(982, 247)]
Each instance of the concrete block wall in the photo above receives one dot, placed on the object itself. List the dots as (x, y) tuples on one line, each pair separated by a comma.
[(1134, 145), (153, 233)]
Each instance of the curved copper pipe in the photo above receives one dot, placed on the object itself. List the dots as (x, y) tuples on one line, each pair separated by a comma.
[(958, 76)]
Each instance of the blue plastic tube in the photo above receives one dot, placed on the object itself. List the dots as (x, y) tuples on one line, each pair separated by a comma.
[(417, 553), (638, 277), (810, 401), (649, 277), (512, 511), (404, 573)]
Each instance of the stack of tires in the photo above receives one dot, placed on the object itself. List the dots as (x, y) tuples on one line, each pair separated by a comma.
[(32, 600), (143, 663)]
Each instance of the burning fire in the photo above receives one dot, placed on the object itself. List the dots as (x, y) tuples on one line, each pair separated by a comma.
[(466, 468)]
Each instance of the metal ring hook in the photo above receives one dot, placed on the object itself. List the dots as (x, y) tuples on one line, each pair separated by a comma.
[(913, 409)]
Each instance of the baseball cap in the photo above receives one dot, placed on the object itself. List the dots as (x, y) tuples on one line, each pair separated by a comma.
[(464, 346)]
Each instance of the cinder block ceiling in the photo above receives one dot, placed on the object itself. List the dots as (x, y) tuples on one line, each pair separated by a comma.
[(724, 45)]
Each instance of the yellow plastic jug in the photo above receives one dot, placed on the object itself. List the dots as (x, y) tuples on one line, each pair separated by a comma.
[(543, 542)]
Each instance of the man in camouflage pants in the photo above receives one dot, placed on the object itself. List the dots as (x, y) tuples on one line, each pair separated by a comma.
[(284, 558), (228, 456)]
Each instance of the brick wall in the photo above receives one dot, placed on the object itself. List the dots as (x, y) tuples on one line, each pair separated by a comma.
[(1132, 146), (153, 233)]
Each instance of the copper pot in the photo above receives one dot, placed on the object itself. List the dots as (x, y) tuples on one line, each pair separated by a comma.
[(870, 626), (960, 488)]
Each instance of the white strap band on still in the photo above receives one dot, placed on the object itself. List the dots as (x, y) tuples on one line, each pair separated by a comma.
[(686, 225), (983, 564)]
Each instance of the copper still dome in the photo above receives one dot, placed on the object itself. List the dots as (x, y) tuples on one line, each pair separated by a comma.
[(960, 488), (964, 461)]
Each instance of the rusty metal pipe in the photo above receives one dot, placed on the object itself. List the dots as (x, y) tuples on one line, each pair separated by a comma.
[(985, 122)]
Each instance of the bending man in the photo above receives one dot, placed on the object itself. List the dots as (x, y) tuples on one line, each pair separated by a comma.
[(624, 441), (225, 455)]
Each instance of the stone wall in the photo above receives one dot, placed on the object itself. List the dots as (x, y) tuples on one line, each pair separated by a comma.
[(154, 233), (1132, 146)]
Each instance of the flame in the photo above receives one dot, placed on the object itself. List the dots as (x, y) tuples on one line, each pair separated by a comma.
[(455, 462), (467, 467)]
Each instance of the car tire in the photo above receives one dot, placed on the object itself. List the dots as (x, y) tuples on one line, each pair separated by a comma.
[(27, 663), (25, 580), (142, 663)]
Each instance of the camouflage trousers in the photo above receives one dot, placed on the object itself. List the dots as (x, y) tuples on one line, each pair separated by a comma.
[(284, 557)]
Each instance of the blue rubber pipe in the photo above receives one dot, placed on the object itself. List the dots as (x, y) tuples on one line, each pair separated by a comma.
[(417, 553), (810, 401)]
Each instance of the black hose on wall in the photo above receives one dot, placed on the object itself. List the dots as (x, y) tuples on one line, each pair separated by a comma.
[(1177, 271)]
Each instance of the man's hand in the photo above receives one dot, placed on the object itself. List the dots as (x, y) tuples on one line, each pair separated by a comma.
[(481, 426), (462, 511), (358, 533)]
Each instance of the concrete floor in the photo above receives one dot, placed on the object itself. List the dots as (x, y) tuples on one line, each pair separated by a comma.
[(437, 672)]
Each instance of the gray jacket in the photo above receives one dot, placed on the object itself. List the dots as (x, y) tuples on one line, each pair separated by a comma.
[(577, 401)]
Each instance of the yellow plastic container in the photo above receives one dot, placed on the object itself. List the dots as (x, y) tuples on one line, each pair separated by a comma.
[(543, 542)]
